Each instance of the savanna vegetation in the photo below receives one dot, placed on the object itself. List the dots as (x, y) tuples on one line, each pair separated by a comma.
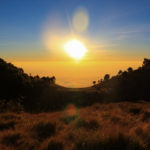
[(111, 126)]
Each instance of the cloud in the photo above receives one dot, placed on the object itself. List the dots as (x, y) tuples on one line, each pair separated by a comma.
[(131, 31)]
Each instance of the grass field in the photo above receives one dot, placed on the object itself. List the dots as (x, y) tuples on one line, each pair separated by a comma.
[(119, 126)]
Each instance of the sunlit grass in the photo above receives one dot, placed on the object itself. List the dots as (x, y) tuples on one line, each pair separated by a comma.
[(100, 126)]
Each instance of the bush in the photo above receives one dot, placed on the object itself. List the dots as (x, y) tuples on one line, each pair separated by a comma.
[(135, 111), (9, 116), (54, 145), (146, 116), (11, 106), (12, 139), (44, 130), (7, 125)]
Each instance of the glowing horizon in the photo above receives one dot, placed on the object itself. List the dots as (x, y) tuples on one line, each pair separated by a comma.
[(72, 74), (107, 31)]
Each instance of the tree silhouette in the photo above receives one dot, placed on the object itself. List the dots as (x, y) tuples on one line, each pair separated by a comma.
[(94, 83), (52, 79), (120, 72), (106, 77), (130, 69), (146, 63), (100, 81)]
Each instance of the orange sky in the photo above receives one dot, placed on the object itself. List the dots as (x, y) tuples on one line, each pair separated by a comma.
[(34, 36), (75, 74)]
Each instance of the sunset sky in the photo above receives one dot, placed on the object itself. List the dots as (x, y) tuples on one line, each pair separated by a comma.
[(115, 33)]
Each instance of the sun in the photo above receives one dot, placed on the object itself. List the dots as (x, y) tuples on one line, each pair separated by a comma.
[(75, 49)]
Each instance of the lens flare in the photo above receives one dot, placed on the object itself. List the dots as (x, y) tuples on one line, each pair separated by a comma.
[(80, 20), (71, 110)]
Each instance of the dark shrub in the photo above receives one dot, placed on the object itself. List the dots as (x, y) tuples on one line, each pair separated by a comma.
[(12, 139), (115, 119), (139, 131), (44, 130), (146, 116), (54, 145), (9, 116), (135, 111), (11, 106), (7, 125)]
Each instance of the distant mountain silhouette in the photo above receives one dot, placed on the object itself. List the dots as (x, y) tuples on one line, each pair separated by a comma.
[(42, 94)]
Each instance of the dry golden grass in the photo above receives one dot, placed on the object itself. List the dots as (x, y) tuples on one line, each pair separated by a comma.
[(119, 126)]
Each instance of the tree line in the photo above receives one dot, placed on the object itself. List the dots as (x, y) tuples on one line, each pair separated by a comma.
[(130, 85)]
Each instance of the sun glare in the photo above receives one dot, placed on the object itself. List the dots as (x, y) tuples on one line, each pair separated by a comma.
[(75, 49)]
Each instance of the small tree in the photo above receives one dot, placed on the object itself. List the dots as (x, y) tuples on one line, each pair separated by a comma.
[(53, 79), (106, 77), (120, 72), (130, 69), (94, 82), (146, 62)]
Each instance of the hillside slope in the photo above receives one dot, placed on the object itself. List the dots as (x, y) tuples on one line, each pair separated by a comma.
[(129, 85), (113, 126)]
